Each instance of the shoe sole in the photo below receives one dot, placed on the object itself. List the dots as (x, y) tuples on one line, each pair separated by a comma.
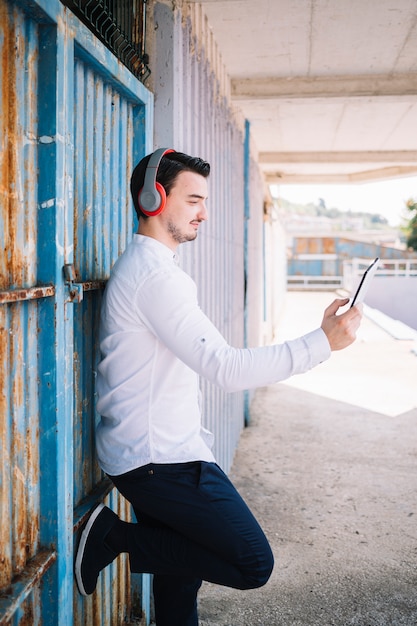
[(81, 548)]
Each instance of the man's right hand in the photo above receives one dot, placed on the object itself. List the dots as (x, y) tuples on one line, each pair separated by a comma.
[(340, 330)]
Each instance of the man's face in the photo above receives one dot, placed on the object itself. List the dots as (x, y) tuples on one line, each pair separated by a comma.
[(185, 207)]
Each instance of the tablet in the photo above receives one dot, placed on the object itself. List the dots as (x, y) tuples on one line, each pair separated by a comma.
[(364, 283)]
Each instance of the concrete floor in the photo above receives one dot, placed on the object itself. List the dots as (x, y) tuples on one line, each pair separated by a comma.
[(328, 466)]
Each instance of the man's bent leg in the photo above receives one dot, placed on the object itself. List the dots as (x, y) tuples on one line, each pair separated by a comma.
[(201, 527)]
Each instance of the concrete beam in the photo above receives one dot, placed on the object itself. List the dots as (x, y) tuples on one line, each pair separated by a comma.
[(324, 87), (367, 176), (367, 156)]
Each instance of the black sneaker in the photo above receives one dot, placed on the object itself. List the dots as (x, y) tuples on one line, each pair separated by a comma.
[(93, 555)]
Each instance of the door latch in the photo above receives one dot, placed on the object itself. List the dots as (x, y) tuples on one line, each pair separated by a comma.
[(75, 288)]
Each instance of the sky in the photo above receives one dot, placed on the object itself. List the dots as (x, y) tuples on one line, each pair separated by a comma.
[(387, 197)]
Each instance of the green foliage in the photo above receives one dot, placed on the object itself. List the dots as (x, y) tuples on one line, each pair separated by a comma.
[(411, 228)]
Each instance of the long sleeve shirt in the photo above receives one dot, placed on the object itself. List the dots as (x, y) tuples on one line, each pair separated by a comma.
[(156, 342)]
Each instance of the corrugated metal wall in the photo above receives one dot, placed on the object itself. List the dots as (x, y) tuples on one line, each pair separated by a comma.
[(105, 122), (193, 113), (20, 449), (73, 123)]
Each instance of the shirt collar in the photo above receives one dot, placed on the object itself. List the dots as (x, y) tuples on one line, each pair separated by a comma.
[(157, 245)]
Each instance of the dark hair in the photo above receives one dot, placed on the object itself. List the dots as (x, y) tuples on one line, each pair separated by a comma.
[(170, 166)]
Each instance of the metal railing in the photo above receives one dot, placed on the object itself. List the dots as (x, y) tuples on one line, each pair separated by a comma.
[(352, 272), (313, 283), (353, 269), (121, 26)]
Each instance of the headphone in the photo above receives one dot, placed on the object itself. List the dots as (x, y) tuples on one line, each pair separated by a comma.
[(152, 196)]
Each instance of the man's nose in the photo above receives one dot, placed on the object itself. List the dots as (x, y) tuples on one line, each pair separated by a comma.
[(203, 213)]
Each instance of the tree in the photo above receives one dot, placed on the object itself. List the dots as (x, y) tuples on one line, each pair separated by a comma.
[(411, 227)]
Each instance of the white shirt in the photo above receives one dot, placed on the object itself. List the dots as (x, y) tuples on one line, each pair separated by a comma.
[(155, 343)]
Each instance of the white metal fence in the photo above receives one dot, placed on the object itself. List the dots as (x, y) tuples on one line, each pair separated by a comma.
[(393, 290), (354, 268)]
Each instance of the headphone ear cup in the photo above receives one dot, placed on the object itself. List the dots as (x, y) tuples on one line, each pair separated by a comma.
[(162, 193), (152, 197), (152, 202)]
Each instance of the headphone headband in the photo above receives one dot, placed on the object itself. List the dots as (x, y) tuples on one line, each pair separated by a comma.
[(152, 196)]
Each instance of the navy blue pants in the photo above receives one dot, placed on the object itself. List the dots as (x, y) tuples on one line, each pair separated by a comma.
[(192, 526)]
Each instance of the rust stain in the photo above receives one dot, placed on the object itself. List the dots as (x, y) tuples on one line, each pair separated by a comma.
[(5, 514), (8, 102), (32, 439), (11, 56), (18, 450), (91, 285), (27, 618), (4, 25), (329, 245), (30, 165), (313, 245), (29, 293), (301, 244), (32, 472), (17, 263)]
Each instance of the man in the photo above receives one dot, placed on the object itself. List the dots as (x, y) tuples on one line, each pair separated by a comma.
[(155, 343)]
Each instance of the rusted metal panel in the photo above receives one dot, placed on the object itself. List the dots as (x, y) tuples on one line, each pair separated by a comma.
[(23, 585), (108, 139), (103, 224), (42, 333), (99, 175), (19, 465)]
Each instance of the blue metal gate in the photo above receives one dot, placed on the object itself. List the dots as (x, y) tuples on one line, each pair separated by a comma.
[(74, 120)]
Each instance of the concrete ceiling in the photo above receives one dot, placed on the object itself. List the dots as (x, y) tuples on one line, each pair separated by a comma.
[(329, 86)]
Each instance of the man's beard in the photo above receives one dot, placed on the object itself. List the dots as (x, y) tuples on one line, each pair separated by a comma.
[(179, 236)]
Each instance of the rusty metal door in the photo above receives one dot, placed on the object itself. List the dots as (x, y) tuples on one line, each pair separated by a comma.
[(73, 122)]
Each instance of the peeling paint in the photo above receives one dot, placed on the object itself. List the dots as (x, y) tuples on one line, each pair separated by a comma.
[(47, 204)]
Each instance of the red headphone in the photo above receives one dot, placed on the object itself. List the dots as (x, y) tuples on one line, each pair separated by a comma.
[(152, 196)]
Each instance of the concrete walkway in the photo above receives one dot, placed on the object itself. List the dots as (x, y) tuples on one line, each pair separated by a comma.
[(329, 467)]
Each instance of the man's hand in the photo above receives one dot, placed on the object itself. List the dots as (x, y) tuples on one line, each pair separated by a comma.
[(341, 329)]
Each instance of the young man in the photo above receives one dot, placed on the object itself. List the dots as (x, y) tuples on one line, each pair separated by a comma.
[(155, 343)]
